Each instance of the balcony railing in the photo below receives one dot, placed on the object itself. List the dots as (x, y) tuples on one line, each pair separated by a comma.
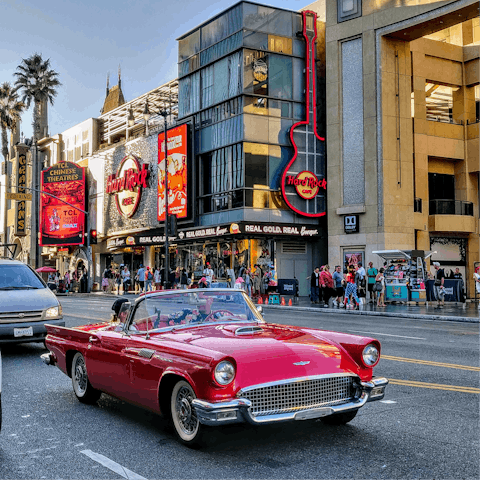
[(450, 207)]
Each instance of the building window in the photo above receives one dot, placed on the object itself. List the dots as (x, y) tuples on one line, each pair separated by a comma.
[(280, 44)]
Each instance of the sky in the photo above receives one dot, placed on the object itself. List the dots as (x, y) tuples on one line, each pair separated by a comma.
[(86, 40)]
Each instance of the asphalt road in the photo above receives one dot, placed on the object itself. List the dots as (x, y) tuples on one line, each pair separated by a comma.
[(426, 427)]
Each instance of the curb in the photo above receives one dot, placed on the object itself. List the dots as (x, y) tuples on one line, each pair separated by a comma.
[(418, 316)]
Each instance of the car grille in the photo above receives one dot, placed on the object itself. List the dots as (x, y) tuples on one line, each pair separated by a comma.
[(20, 317), (299, 395)]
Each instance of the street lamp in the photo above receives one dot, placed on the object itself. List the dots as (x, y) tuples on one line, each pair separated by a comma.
[(164, 114), (146, 116), (131, 118)]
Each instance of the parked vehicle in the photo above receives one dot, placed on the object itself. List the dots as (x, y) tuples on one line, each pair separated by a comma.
[(207, 357), (26, 304)]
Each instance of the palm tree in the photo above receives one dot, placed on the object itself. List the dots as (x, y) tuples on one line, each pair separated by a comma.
[(10, 110), (37, 82)]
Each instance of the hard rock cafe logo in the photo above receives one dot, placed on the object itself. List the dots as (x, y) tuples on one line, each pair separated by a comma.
[(306, 184), (127, 185)]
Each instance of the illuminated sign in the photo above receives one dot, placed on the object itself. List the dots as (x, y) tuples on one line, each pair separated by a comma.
[(177, 150), (62, 224), (305, 192), (20, 208), (127, 185)]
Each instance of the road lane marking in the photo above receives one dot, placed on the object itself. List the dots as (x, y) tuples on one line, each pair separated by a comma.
[(427, 362), (434, 386), (386, 334), (114, 466)]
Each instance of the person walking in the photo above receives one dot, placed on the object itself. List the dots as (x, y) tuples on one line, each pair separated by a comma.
[(338, 285), (67, 280), (476, 277), (371, 275), (141, 278), (208, 274), (183, 278), (157, 278), (148, 280), (380, 278), (326, 282), (125, 279), (315, 286), (439, 284), (351, 289), (248, 282)]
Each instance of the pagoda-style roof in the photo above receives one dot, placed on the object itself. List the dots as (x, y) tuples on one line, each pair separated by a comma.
[(113, 123), (114, 99)]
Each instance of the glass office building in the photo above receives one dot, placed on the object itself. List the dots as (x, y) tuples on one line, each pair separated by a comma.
[(242, 83)]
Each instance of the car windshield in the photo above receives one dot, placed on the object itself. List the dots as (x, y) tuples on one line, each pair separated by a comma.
[(18, 277), (192, 308)]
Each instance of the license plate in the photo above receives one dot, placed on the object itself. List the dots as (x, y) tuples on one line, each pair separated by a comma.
[(23, 332), (315, 413)]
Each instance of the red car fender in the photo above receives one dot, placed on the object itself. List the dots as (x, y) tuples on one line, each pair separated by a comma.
[(352, 345)]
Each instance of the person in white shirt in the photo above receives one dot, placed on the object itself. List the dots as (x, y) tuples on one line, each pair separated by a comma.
[(208, 274), (125, 279)]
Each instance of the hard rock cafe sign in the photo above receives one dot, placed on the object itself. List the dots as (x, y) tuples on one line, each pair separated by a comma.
[(127, 185), (303, 180)]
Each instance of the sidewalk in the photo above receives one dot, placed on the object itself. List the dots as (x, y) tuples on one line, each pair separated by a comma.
[(458, 312)]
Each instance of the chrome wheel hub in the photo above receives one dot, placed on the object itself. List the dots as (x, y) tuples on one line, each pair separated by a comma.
[(185, 413)]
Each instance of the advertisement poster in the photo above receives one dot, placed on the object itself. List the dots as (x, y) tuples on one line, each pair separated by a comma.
[(177, 147), (62, 224), (353, 258)]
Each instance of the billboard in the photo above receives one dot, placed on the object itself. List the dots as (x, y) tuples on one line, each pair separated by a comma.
[(177, 149), (20, 208), (62, 224)]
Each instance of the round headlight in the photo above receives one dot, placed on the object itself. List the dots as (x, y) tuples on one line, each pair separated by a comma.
[(224, 373), (370, 355)]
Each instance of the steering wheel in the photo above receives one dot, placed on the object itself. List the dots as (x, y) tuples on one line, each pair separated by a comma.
[(217, 314)]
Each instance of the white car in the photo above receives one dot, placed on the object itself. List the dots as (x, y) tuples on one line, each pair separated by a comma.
[(26, 304)]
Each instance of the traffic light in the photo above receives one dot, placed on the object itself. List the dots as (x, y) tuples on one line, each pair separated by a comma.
[(93, 237), (172, 228)]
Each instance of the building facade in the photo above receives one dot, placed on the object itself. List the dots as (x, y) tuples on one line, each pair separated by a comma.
[(402, 130)]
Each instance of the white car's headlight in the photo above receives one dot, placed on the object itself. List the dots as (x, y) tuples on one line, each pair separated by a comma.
[(224, 373), (53, 312), (370, 355)]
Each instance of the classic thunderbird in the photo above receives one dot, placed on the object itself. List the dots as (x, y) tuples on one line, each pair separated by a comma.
[(206, 357)]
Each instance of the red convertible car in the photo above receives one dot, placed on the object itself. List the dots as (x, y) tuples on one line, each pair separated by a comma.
[(206, 357)]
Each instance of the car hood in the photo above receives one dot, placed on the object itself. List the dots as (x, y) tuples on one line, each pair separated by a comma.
[(27, 300), (271, 353)]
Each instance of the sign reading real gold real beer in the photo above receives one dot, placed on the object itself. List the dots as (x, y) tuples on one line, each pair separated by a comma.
[(20, 208), (61, 223)]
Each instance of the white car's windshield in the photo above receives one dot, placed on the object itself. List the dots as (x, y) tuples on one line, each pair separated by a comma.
[(18, 277), (190, 308)]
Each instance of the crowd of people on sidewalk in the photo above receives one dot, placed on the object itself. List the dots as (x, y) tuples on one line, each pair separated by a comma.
[(348, 290)]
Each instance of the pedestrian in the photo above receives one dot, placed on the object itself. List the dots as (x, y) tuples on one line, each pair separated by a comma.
[(148, 280), (457, 274), (118, 280), (439, 284), (208, 274), (476, 277), (315, 286), (126, 279), (248, 282), (67, 280), (177, 278), (338, 285), (183, 278), (380, 283), (202, 283), (141, 278), (326, 282), (371, 275), (351, 289), (360, 282), (157, 278)]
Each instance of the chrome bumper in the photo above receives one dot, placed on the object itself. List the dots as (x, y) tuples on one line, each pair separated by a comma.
[(238, 410)]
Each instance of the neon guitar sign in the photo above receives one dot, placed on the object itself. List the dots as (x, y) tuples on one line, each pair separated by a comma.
[(303, 180)]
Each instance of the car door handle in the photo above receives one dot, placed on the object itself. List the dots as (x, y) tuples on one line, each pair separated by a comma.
[(93, 339)]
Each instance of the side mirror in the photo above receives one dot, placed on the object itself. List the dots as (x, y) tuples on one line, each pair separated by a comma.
[(260, 309)]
